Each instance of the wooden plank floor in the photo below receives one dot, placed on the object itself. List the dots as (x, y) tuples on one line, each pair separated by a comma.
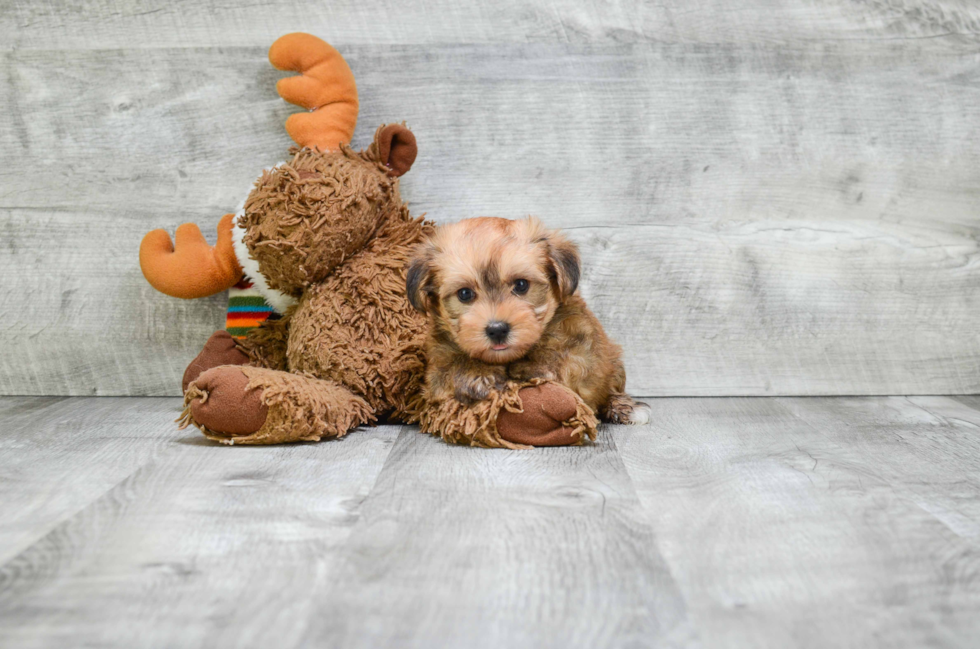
[(814, 522)]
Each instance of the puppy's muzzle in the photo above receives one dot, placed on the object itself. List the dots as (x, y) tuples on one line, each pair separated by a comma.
[(498, 331)]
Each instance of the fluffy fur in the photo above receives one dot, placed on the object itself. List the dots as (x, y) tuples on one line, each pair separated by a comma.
[(503, 308), (329, 237), (276, 299)]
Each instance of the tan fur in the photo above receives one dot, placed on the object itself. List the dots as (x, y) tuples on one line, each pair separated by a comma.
[(553, 334)]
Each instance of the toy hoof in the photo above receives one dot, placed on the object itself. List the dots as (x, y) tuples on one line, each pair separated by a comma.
[(226, 406), (546, 407), (220, 349)]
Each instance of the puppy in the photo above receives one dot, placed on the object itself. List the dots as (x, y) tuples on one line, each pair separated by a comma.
[(502, 305)]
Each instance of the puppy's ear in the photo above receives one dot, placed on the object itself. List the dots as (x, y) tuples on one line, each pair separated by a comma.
[(565, 265), (418, 281), (396, 148)]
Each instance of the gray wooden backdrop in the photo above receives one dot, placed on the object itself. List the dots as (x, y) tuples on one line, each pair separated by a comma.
[(771, 196)]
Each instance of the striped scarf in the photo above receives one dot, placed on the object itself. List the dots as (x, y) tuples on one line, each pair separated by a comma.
[(247, 309)]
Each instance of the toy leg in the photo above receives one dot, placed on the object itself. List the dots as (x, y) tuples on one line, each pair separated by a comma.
[(220, 349), (254, 405), (265, 345), (550, 415)]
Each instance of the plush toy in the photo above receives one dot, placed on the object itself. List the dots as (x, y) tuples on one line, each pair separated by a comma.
[(325, 239)]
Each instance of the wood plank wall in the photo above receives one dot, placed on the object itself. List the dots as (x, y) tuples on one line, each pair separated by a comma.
[(772, 197)]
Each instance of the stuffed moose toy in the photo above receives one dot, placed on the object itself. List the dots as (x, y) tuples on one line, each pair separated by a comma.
[(325, 239)]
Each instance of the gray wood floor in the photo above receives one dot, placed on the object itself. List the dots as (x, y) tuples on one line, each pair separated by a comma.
[(810, 522)]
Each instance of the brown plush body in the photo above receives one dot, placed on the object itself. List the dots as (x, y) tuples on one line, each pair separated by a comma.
[(338, 240), (328, 230), (504, 315)]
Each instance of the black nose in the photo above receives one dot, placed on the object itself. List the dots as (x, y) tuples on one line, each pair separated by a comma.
[(497, 331)]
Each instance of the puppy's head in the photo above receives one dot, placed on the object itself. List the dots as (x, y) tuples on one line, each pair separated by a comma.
[(493, 284)]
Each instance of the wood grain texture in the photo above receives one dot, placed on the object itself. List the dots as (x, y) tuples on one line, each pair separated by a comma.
[(971, 401), (58, 455), (726, 522), (771, 199), (814, 523), (926, 448), (459, 547), (83, 319), (198, 547), (99, 24)]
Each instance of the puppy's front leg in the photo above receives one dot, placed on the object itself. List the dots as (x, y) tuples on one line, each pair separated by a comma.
[(537, 365), (459, 377), (525, 371), (472, 386)]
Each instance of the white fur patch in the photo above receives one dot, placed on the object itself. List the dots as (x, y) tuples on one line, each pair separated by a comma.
[(642, 414), (276, 299)]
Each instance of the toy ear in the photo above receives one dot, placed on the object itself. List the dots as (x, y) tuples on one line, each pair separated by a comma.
[(396, 148), (417, 281)]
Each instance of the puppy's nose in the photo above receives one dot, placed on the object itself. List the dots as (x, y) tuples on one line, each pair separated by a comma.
[(497, 331)]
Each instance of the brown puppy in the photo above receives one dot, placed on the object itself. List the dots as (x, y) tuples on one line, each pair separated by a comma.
[(502, 305)]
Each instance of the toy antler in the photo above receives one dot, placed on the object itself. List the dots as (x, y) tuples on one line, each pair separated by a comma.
[(325, 87), (191, 268)]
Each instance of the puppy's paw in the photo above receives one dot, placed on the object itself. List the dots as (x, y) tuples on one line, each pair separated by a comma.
[(641, 415), (471, 389), (523, 371), (623, 410)]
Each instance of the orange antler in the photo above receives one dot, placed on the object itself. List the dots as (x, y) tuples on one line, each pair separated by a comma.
[(325, 87), (192, 268)]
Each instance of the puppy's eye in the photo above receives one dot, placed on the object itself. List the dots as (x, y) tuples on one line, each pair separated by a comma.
[(465, 295), (521, 286)]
